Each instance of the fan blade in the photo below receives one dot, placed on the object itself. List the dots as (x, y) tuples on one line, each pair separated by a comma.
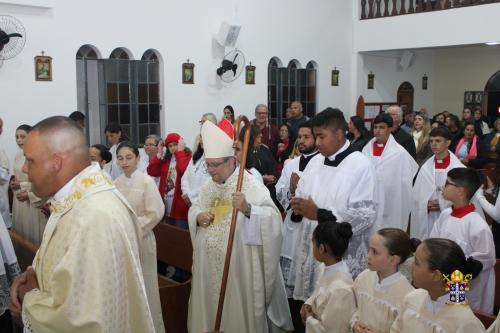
[(4, 38), (236, 56), (15, 35), (235, 67)]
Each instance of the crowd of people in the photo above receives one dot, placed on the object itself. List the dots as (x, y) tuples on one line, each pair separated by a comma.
[(339, 228)]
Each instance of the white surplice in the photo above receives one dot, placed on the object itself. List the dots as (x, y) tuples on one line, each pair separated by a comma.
[(378, 303), (474, 236), (350, 192), (194, 178), (395, 170), (88, 266), (428, 185), (421, 314), (112, 167), (255, 299), (291, 230), (4, 185), (27, 217), (332, 302), (141, 192), (9, 268)]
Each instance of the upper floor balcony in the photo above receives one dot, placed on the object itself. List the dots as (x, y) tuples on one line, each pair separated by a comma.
[(384, 8)]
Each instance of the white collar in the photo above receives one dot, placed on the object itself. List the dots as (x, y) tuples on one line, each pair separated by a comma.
[(133, 175), (307, 155), (64, 191), (344, 147), (341, 266), (388, 281), (438, 304)]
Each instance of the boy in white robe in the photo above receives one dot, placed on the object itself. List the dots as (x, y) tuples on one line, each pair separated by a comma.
[(395, 169), (255, 299), (338, 185), (285, 190), (428, 201), (470, 231)]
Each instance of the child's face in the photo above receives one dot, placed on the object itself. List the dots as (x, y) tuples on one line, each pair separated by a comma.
[(379, 258), (451, 191), (422, 276), (127, 160)]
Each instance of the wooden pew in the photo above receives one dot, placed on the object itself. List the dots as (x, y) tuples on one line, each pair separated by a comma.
[(173, 246)]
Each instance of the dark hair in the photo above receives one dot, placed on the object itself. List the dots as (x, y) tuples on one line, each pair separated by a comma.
[(113, 128), (230, 108), (306, 124), (251, 155), (335, 236), (24, 127), (290, 134), (397, 242), (359, 123), (454, 119), (330, 118), (446, 256), (440, 131), (467, 178), (434, 119), (77, 116), (198, 153), (130, 145), (104, 152), (384, 118)]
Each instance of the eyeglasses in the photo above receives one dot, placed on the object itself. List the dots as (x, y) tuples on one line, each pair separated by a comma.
[(213, 165), (448, 183)]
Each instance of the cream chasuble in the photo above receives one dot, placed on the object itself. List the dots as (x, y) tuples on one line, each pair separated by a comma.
[(27, 217), (88, 266), (255, 299), (421, 314), (333, 302), (379, 303), (142, 193)]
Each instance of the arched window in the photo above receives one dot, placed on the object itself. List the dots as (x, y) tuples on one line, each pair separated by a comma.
[(120, 53), (288, 84), (121, 90), (87, 52)]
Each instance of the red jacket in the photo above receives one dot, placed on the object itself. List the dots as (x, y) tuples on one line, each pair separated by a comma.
[(159, 168)]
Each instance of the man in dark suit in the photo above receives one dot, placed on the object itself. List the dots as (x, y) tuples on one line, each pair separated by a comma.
[(402, 137)]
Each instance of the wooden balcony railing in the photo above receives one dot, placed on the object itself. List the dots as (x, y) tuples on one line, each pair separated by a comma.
[(384, 8)]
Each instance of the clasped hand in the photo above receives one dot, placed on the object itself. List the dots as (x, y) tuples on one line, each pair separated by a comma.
[(22, 284), (304, 207)]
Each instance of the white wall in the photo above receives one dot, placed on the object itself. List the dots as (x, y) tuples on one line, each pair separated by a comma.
[(462, 69), (460, 26), (319, 31), (389, 75)]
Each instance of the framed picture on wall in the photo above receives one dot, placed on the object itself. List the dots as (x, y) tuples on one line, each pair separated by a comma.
[(187, 73), (43, 68)]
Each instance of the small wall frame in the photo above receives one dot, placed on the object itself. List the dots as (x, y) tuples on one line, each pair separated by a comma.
[(43, 68), (187, 73)]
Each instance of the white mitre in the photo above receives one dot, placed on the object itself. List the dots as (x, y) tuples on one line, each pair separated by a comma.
[(217, 140)]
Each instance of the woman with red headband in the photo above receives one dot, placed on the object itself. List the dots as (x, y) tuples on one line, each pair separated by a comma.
[(169, 165)]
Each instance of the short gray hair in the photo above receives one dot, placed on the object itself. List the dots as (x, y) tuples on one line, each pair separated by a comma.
[(260, 106), (398, 110), (210, 116), (155, 137)]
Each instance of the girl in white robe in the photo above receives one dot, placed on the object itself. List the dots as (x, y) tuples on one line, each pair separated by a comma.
[(430, 308), (380, 289), (27, 217), (141, 192), (332, 304)]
